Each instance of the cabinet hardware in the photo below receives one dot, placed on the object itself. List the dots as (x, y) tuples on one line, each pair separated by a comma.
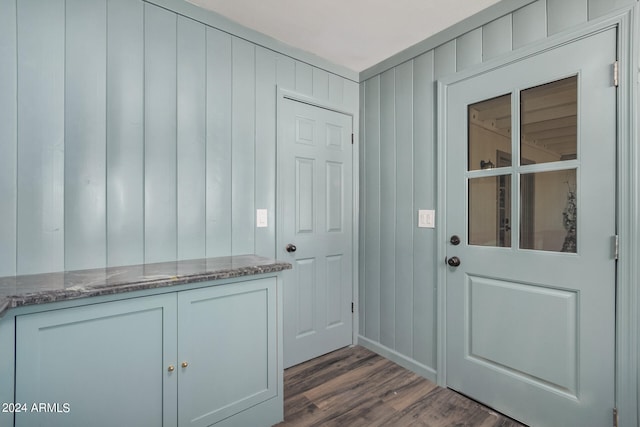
[(184, 364), (171, 368)]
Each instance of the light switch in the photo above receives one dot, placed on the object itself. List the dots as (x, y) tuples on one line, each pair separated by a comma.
[(261, 218), (426, 218)]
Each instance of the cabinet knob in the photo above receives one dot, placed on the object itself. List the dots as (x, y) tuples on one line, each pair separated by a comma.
[(171, 368), (184, 364)]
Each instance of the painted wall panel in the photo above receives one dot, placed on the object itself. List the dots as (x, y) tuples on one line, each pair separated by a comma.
[(445, 60), (243, 147), (469, 49), (218, 149), (191, 139), (496, 38), (530, 24), (563, 14), (85, 134), (387, 209), (320, 84), (404, 217), (336, 89), (8, 136), (160, 135), (135, 134), (265, 177), (598, 8), (125, 132), (40, 209), (370, 211), (304, 78), (424, 239)]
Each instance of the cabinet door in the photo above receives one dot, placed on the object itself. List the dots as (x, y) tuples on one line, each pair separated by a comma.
[(98, 365), (227, 336)]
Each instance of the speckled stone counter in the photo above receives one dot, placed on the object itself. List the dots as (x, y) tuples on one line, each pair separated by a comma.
[(17, 291)]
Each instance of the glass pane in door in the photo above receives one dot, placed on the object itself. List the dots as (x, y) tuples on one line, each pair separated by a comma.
[(490, 211), (548, 211), (548, 118), (489, 132)]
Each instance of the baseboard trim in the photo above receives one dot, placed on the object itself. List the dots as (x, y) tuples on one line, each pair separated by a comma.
[(400, 359)]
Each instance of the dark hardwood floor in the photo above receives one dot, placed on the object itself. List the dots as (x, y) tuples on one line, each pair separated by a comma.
[(356, 387)]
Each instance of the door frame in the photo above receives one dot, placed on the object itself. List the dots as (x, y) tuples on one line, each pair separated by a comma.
[(287, 94), (626, 21)]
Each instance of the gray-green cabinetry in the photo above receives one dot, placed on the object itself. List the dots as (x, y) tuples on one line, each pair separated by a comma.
[(191, 358)]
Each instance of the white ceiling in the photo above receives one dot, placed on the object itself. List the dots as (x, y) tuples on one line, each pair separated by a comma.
[(356, 34)]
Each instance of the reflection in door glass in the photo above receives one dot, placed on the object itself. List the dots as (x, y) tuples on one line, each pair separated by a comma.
[(548, 119), (490, 211), (489, 132), (548, 211)]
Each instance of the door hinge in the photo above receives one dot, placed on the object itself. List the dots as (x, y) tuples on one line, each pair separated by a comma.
[(352, 307), (352, 139), (615, 417), (616, 73), (616, 247)]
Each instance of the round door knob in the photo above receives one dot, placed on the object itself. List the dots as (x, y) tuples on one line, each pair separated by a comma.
[(454, 261), (291, 247), (455, 240), (171, 368), (184, 364)]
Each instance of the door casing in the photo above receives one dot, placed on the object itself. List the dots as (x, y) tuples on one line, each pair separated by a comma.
[(282, 95), (628, 198)]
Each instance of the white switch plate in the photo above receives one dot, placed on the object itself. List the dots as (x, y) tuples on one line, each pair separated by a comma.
[(261, 218), (426, 218)]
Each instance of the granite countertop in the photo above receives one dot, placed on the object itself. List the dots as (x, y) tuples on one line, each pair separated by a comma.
[(17, 291)]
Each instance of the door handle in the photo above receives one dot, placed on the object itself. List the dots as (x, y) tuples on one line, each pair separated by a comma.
[(291, 248), (454, 261)]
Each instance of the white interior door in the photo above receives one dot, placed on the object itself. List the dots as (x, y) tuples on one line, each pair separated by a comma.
[(531, 197), (315, 229)]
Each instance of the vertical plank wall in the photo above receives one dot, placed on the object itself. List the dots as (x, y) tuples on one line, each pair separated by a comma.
[(398, 175), (130, 134)]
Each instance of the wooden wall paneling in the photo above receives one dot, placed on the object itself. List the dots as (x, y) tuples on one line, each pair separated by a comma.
[(424, 197), (598, 8), (8, 136), (497, 38), (336, 89), (265, 177), (125, 132), (304, 78), (530, 24), (469, 49), (405, 220), (388, 239), (243, 147), (370, 186), (286, 72), (191, 139), (444, 60), (40, 211), (160, 135), (563, 14), (85, 134), (362, 218), (320, 84), (218, 145), (351, 92)]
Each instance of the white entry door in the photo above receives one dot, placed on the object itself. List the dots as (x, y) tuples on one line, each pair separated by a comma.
[(315, 228), (530, 222)]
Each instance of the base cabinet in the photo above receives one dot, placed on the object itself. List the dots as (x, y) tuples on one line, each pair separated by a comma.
[(201, 357)]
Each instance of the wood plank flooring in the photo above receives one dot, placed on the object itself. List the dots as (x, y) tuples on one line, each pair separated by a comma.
[(356, 387)]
